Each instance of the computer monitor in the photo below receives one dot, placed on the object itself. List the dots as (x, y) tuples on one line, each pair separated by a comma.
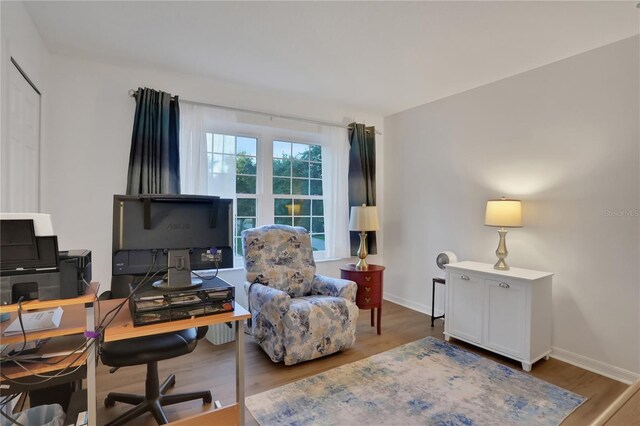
[(176, 233)]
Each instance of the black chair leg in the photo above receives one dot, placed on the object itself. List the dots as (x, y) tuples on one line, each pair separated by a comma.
[(183, 397), (168, 382), (156, 409), (154, 398)]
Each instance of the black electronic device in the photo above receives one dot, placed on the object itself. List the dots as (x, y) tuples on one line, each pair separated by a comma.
[(32, 268), (151, 305), (174, 233), (75, 270)]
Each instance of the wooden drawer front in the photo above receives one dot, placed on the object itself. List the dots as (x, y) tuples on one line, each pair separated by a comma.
[(368, 295), (363, 277)]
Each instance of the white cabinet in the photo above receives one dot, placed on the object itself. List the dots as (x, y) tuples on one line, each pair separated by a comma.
[(507, 312)]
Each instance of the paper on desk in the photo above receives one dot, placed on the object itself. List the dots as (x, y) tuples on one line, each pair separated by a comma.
[(36, 321)]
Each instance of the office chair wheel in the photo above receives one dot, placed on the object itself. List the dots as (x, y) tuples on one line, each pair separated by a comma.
[(109, 402), (207, 398)]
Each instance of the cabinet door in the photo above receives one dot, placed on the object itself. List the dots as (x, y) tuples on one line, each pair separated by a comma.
[(506, 317), (465, 302)]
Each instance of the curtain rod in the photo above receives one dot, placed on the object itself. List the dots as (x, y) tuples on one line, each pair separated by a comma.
[(134, 93)]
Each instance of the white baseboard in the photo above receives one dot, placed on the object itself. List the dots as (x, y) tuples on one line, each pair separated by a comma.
[(420, 307), (598, 367)]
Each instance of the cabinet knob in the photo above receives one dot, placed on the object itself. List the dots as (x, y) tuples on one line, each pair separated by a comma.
[(465, 277), (504, 285), (367, 278), (367, 299), (367, 289)]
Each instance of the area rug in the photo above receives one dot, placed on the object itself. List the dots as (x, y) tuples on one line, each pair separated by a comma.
[(427, 382)]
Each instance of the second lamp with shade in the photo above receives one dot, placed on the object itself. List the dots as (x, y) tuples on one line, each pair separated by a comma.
[(503, 213), (363, 219)]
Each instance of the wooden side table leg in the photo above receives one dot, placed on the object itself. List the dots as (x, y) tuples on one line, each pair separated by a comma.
[(372, 322), (379, 318)]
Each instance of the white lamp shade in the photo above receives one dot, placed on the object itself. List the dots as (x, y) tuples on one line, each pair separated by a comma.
[(364, 218), (504, 213)]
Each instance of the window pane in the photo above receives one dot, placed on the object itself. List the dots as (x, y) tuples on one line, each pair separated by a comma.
[(246, 146), (217, 143), (281, 149), (300, 187), (209, 142), (280, 206), (305, 207), (315, 153), (317, 224), (217, 163), (229, 144), (281, 186), (210, 163), (239, 246), (243, 223), (317, 242), (245, 165), (316, 187), (301, 151), (300, 168), (281, 167), (318, 207), (282, 220), (246, 206), (245, 184), (304, 221), (316, 170)]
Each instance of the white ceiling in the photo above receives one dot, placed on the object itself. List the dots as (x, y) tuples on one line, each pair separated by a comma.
[(383, 57)]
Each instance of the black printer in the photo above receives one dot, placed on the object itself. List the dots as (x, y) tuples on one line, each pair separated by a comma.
[(31, 266)]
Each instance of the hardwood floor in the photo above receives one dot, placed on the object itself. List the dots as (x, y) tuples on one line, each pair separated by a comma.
[(213, 367)]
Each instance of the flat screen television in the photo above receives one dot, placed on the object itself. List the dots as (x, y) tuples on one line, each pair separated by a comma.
[(173, 233)]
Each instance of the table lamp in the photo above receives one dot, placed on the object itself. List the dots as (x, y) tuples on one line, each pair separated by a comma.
[(505, 214), (363, 219)]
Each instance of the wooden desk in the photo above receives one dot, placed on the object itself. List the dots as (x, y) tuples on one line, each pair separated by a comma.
[(78, 316), (122, 328)]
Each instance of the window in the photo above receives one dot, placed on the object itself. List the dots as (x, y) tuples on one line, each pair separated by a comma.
[(235, 170), (277, 171), (297, 188), (232, 165)]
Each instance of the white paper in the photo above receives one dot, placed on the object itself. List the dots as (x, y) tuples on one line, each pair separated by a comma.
[(36, 321)]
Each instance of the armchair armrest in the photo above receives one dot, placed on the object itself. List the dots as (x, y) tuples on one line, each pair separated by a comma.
[(266, 304), (336, 287)]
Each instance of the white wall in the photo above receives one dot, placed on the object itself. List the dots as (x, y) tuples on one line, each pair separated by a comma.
[(90, 122), (564, 138), (20, 39)]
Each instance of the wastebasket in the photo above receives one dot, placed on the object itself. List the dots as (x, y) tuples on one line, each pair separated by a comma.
[(40, 415)]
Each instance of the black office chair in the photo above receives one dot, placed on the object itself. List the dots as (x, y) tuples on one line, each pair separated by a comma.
[(149, 350)]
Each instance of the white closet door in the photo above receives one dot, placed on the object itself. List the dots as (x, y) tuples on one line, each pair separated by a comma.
[(21, 150)]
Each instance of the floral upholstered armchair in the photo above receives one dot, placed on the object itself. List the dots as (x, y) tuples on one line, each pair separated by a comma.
[(296, 315)]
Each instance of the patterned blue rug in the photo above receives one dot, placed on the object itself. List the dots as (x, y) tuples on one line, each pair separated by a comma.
[(427, 382)]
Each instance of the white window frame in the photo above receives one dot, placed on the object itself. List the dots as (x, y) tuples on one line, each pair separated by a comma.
[(265, 199)]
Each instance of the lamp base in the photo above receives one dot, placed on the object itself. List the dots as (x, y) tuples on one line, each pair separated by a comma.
[(502, 252), (362, 264), (501, 265)]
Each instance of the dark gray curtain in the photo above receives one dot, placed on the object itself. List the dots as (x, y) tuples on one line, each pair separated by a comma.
[(154, 161), (362, 177)]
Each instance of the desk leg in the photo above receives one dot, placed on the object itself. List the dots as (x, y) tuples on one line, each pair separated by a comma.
[(240, 370), (91, 369)]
